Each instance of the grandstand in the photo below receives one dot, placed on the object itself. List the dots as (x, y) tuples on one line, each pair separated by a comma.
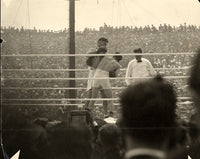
[(35, 64)]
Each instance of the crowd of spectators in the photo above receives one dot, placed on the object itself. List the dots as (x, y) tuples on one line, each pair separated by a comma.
[(52, 137), (148, 127), (164, 39)]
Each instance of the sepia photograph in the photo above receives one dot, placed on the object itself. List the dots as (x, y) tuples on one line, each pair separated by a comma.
[(100, 79)]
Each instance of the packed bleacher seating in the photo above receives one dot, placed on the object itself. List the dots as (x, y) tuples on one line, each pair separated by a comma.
[(164, 39), (26, 129)]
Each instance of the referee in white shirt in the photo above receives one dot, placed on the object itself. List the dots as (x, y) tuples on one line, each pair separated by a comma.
[(139, 67)]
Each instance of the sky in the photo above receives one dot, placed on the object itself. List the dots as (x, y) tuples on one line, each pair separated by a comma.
[(54, 14)]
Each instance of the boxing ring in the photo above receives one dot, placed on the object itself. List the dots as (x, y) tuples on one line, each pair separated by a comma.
[(10, 74)]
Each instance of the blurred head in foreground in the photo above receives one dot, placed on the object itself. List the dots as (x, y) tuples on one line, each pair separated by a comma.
[(148, 113), (194, 83)]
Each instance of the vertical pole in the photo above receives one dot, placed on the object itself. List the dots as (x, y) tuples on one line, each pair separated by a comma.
[(72, 82)]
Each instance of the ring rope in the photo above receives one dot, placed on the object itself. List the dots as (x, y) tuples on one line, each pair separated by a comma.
[(87, 55), (72, 99), (123, 69), (96, 99), (47, 88), (68, 104), (85, 78), (58, 88)]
